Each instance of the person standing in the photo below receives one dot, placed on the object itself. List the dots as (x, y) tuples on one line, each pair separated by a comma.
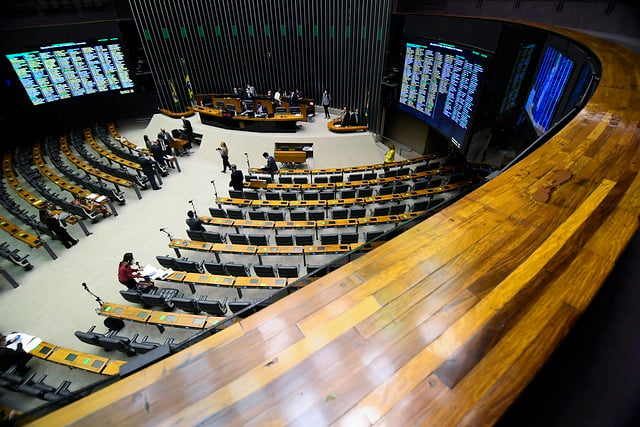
[(188, 132), (237, 179), (54, 225), (326, 101), (224, 153), (147, 164), (391, 154)]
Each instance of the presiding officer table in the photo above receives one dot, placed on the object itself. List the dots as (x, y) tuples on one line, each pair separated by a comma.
[(275, 123)]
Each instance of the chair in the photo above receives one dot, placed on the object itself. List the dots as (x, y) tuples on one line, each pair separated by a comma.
[(369, 175), (115, 342), (347, 194), (289, 195), (298, 215), (235, 213), (258, 215), (220, 105), (238, 306), (214, 268), (272, 195), (316, 215), (234, 269), (385, 190), (237, 239), (290, 271), (322, 179), (354, 177), (144, 346), (236, 194), (284, 240), (421, 168), (381, 211), (162, 298), (213, 307), (391, 173), (401, 188), (275, 215), (300, 180), (259, 239), (346, 238), (217, 212), (357, 212), (283, 179), (189, 305), (435, 182), (190, 266), (329, 239), (370, 235), (335, 178), (421, 185), (397, 209), (195, 235), (304, 239), (327, 195), (403, 171), (339, 214), (317, 270), (251, 195), (213, 237), (132, 296), (88, 337), (281, 110), (420, 206), (437, 200), (310, 195), (167, 262), (264, 270), (365, 192)]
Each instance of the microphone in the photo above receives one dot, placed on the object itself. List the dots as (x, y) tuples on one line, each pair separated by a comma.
[(190, 201), (245, 154), (84, 285), (163, 229), (212, 181)]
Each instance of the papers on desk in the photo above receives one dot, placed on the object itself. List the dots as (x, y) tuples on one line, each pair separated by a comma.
[(155, 273), (29, 342)]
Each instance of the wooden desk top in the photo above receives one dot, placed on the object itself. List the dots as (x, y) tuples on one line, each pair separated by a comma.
[(275, 118), (193, 245), (443, 325), (234, 249), (261, 282), (209, 279), (280, 250)]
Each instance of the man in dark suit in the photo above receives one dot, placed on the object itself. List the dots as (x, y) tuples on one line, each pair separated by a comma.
[(147, 164), (355, 118), (345, 118), (194, 223), (188, 132), (237, 179), (271, 167)]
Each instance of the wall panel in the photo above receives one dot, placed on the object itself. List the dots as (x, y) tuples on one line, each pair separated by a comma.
[(305, 44)]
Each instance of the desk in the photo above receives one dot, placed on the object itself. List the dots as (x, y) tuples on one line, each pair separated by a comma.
[(259, 283), (270, 203), (292, 152), (279, 250), (232, 201), (219, 248), (192, 279), (249, 223), (125, 312), (346, 202), (334, 126), (181, 320), (43, 350), (307, 203), (192, 245), (277, 123), (296, 225), (222, 222), (325, 250)]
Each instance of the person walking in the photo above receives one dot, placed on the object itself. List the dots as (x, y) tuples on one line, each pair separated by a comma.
[(224, 153), (326, 101)]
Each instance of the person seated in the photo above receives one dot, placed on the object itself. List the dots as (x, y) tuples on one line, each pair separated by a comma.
[(12, 353), (261, 110), (345, 117), (131, 277), (355, 118), (91, 206), (271, 167), (195, 224)]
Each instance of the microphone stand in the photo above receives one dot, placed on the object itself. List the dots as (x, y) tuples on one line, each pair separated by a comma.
[(98, 300), (215, 190), (248, 165), (169, 235), (194, 208)]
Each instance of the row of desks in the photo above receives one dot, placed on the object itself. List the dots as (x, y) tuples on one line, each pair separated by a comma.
[(416, 176), (238, 283), (307, 225), (38, 160), (177, 143), (350, 169), (226, 248), (161, 318), (394, 197), (88, 136), (77, 359), (64, 147)]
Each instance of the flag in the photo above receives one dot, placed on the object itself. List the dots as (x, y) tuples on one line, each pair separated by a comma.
[(174, 94), (187, 81)]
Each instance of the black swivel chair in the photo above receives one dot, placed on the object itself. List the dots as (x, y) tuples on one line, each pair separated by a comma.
[(189, 305), (236, 194), (290, 271), (144, 346), (215, 268), (167, 262), (346, 238), (237, 239), (251, 195), (335, 178), (217, 212), (339, 214), (272, 195), (298, 215), (354, 177), (348, 194), (365, 192), (304, 239), (259, 239), (289, 195), (258, 215), (163, 301), (357, 212), (369, 176), (213, 307), (401, 188), (385, 190), (284, 179), (420, 206), (88, 337), (114, 342), (316, 215), (195, 235), (284, 240), (322, 179), (132, 296), (234, 269), (310, 195), (420, 185), (329, 239), (370, 235), (275, 215), (397, 209), (264, 270), (213, 237), (235, 213), (300, 180), (327, 195), (381, 211), (190, 266)]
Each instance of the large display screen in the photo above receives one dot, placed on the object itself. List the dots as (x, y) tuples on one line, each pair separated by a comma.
[(518, 73), (441, 84), (72, 69), (548, 87)]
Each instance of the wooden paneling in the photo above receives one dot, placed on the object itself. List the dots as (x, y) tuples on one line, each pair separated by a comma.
[(444, 324)]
